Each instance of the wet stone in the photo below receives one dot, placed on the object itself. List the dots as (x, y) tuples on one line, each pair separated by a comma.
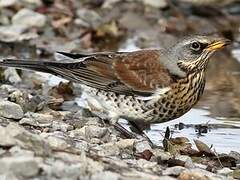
[(10, 110)]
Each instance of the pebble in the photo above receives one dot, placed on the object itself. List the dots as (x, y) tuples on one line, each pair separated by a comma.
[(10, 110), (95, 131), (141, 146), (29, 18), (105, 175), (88, 18), (7, 3), (156, 3), (20, 166), (37, 119), (12, 76), (15, 32), (187, 160), (173, 171)]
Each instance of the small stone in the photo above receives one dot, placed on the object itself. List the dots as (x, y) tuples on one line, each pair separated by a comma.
[(7, 3), (16, 151), (61, 126), (12, 76), (29, 18), (235, 155), (37, 119), (141, 146), (93, 131), (105, 175), (197, 173), (20, 166), (156, 3), (89, 18), (173, 171), (224, 171), (187, 160), (57, 143), (108, 149), (10, 110), (15, 32), (125, 143), (142, 163)]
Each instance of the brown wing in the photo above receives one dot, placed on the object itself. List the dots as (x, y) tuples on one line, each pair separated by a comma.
[(138, 72), (134, 73)]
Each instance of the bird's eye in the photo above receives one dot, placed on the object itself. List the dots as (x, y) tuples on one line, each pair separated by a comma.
[(196, 46)]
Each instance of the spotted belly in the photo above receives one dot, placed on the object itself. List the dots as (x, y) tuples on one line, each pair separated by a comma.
[(175, 102)]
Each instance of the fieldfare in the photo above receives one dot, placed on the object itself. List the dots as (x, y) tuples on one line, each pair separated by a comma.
[(145, 86)]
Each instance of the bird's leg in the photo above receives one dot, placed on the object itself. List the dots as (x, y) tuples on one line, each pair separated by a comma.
[(124, 131), (140, 131)]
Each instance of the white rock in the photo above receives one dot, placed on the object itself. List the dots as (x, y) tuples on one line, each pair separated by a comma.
[(20, 166), (156, 3), (88, 18), (141, 146), (12, 75), (10, 110), (29, 18), (37, 119), (105, 175), (93, 131), (173, 171), (7, 3), (224, 171)]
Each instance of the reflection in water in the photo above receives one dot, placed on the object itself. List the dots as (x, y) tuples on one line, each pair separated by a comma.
[(223, 139)]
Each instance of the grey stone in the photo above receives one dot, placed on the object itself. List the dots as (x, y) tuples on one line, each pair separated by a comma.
[(224, 171), (37, 119), (93, 131), (20, 166), (187, 160), (88, 18), (141, 146), (62, 126), (155, 3), (4, 3), (235, 155), (12, 76), (105, 175), (173, 171), (17, 151), (15, 32), (29, 18), (10, 110), (108, 149)]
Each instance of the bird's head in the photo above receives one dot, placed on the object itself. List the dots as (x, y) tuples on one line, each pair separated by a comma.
[(193, 53)]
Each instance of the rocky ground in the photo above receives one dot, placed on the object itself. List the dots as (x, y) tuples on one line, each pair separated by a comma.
[(45, 135)]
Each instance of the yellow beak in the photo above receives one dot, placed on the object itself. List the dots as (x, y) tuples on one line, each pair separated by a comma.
[(218, 44)]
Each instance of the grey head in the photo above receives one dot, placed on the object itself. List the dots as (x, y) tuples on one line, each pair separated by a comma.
[(192, 53)]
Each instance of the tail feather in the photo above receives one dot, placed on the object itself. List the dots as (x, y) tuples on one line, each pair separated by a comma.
[(25, 64)]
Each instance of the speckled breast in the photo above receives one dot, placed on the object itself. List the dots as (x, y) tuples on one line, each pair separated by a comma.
[(180, 99)]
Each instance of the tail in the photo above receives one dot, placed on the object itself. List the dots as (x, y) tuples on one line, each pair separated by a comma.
[(40, 66)]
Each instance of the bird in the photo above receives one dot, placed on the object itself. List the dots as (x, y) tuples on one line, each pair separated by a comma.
[(145, 86)]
